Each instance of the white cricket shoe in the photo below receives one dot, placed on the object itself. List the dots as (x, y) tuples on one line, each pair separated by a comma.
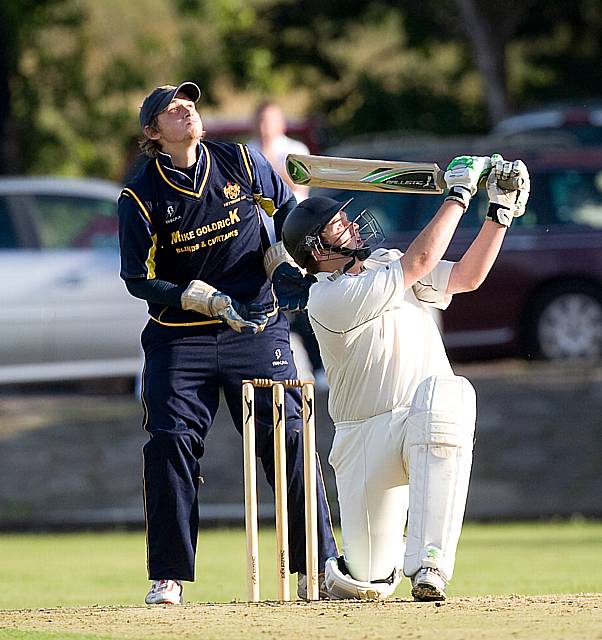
[(302, 587), (428, 585), (165, 592)]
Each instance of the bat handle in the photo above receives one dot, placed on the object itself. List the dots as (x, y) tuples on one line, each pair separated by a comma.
[(511, 184)]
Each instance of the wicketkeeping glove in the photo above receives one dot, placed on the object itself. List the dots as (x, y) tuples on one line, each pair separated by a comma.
[(291, 287), (462, 177), (205, 299), (504, 204)]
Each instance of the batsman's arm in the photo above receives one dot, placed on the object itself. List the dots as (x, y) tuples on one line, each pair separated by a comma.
[(462, 177), (504, 205), (471, 270), (428, 247)]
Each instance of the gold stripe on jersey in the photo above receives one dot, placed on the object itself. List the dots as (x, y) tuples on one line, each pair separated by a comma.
[(200, 323), (188, 192), (130, 194), (246, 158), (183, 324), (267, 204), (150, 260)]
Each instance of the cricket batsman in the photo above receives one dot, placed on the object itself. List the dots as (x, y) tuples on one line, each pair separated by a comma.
[(404, 423)]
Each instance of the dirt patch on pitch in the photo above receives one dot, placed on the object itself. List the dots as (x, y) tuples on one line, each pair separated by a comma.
[(562, 617)]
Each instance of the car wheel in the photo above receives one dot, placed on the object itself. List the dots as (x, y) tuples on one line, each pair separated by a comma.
[(565, 322)]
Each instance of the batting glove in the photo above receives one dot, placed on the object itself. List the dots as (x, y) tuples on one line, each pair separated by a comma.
[(462, 177), (291, 287), (507, 204)]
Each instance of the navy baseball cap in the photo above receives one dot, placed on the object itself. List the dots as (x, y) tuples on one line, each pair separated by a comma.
[(159, 99)]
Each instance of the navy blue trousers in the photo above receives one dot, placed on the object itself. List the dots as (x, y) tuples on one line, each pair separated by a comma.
[(185, 368)]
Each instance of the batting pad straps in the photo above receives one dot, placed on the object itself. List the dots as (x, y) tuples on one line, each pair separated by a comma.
[(274, 257), (341, 586)]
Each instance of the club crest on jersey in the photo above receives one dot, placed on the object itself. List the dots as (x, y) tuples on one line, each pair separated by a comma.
[(278, 361), (231, 190)]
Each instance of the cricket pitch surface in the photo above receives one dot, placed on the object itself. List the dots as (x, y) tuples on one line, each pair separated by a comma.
[(554, 617)]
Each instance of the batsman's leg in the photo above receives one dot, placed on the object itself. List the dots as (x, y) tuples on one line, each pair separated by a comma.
[(438, 453), (373, 497)]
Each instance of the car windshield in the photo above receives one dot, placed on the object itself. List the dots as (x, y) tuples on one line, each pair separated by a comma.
[(577, 197), (65, 222)]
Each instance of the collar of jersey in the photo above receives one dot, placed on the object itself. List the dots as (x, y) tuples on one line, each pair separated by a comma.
[(175, 179)]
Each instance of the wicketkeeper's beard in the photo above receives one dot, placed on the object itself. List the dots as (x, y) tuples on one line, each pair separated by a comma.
[(197, 132)]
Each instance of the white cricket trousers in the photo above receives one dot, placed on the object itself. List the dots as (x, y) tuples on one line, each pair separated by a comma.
[(373, 493), (415, 458)]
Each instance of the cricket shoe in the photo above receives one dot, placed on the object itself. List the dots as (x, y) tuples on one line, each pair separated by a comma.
[(165, 592), (428, 585), (302, 587)]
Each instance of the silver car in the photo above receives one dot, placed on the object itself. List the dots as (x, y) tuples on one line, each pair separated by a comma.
[(65, 312)]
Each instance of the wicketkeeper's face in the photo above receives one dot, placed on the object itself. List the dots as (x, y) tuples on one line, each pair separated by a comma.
[(180, 121)]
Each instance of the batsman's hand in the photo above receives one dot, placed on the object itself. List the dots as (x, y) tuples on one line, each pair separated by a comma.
[(462, 177), (205, 299), (291, 287), (506, 204)]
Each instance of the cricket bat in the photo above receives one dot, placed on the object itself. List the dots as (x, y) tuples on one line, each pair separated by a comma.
[(368, 175)]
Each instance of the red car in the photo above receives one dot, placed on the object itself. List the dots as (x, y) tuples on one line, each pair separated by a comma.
[(543, 297)]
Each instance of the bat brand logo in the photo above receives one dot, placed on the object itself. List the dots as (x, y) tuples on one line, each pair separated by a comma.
[(298, 171), (411, 180)]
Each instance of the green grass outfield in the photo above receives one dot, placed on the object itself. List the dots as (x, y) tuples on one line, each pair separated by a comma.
[(65, 570)]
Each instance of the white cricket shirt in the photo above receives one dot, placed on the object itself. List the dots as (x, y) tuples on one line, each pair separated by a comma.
[(377, 341)]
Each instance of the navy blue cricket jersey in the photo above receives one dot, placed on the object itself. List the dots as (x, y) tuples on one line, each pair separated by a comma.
[(212, 230)]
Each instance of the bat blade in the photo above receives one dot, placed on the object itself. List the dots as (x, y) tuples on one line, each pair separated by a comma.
[(365, 175), (359, 174)]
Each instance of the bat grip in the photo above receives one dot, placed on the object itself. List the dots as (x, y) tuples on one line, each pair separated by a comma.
[(511, 184)]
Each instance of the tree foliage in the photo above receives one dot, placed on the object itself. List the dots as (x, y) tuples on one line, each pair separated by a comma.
[(73, 72)]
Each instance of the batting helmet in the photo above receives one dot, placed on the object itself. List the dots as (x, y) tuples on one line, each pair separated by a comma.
[(303, 225)]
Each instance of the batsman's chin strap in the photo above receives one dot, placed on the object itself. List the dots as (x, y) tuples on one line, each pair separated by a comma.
[(359, 254)]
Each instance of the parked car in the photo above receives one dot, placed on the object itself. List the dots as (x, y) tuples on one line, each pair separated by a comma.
[(65, 312), (543, 298), (579, 122)]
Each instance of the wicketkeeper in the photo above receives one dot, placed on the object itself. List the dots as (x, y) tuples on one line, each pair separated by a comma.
[(199, 231), (402, 449)]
